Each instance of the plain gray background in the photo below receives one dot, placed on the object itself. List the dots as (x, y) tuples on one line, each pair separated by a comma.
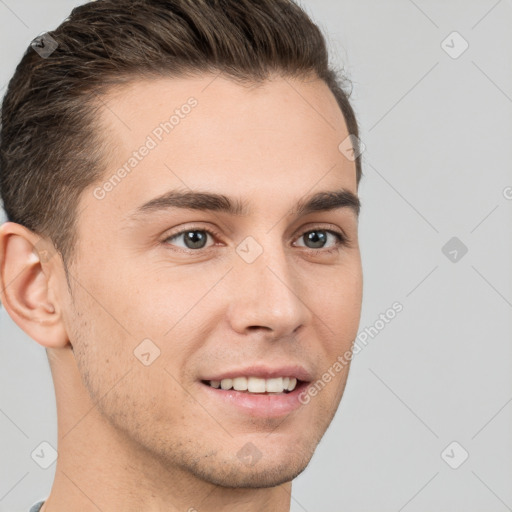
[(437, 125)]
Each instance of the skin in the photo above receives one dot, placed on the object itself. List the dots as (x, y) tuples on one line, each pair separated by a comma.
[(135, 437)]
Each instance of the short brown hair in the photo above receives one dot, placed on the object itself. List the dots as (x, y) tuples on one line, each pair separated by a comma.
[(50, 150)]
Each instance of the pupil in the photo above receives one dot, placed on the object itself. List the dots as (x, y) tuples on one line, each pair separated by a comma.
[(316, 239), (196, 238)]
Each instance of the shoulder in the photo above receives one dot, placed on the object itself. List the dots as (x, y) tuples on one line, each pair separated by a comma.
[(36, 507)]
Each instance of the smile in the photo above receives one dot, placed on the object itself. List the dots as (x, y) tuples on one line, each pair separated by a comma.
[(256, 384), (257, 392)]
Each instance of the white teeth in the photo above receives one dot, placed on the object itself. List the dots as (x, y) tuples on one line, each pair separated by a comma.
[(240, 383), (256, 384), (226, 383), (274, 385)]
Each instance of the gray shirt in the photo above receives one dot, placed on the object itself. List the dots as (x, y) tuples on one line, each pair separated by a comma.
[(36, 507)]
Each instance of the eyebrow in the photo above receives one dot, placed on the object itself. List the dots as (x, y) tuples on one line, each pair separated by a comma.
[(207, 201)]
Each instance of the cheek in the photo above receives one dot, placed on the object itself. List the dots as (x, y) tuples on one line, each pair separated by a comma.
[(102, 344), (338, 302), (127, 391), (338, 309), (158, 298)]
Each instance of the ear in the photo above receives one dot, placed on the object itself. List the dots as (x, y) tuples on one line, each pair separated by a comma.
[(28, 284)]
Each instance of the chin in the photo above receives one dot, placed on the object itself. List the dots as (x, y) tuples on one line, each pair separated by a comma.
[(250, 468), (243, 477)]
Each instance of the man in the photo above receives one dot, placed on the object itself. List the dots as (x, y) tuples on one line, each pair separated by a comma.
[(180, 180)]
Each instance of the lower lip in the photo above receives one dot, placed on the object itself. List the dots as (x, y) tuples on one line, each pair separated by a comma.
[(256, 404)]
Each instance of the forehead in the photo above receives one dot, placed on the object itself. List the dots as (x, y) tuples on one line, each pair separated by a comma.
[(255, 140)]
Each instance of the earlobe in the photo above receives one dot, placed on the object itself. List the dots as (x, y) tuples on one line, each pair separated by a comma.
[(26, 293)]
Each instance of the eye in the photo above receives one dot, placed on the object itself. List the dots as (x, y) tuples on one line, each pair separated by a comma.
[(318, 238), (193, 239)]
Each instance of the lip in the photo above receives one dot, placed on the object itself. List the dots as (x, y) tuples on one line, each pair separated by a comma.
[(258, 405), (264, 372), (255, 405)]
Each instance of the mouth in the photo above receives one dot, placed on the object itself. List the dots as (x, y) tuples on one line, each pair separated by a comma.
[(257, 385), (267, 395)]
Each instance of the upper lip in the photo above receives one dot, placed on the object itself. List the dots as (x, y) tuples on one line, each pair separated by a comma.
[(264, 372)]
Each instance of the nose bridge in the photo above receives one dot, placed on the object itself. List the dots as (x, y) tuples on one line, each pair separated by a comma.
[(267, 291)]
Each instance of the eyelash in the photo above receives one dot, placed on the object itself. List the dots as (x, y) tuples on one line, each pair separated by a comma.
[(342, 240)]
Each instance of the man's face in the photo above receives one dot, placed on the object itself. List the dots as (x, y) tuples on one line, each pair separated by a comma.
[(272, 293)]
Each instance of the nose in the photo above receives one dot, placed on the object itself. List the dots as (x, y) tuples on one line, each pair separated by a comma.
[(267, 294)]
